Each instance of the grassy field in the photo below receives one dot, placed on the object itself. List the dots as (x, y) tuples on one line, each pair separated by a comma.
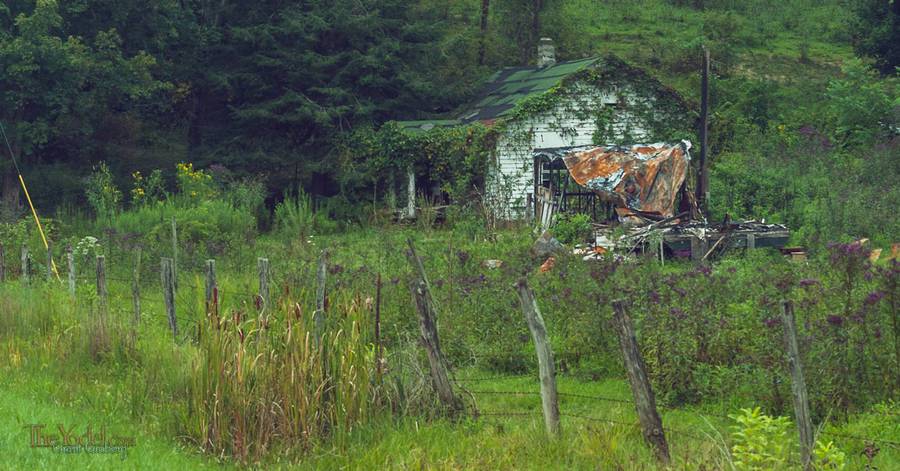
[(61, 367)]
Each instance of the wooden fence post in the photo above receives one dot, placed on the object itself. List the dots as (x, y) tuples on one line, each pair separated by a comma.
[(211, 287), (798, 387), (168, 286), (549, 399), (425, 306), (49, 261), (2, 264), (26, 264), (262, 265), (644, 400), (378, 352), (136, 288), (102, 293), (319, 315), (70, 260), (175, 252)]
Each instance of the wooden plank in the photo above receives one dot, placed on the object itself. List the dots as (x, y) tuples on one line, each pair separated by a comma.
[(546, 368), (425, 306), (644, 400), (798, 387)]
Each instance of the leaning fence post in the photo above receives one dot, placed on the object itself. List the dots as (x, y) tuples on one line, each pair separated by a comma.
[(211, 286), (2, 264), (644, 400), (70, 260), (168, 286), (102, 293), (425, 306), (319, 315), (262, 265), (798, 387), (549, 399), (26, 264)]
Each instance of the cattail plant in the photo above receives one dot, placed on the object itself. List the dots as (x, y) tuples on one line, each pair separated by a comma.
[(257, 387)]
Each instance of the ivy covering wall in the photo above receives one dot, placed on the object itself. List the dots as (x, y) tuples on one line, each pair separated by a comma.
[(457, 160)]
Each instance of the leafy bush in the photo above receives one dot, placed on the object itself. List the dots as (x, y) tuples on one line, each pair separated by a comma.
[(296, 217), (102, 193), (572, 228), (760, 441)]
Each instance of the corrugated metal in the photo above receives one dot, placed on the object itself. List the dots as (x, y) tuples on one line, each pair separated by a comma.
[(641, 177)]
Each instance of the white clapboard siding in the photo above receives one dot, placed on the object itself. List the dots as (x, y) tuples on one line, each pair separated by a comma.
[(512, 177)]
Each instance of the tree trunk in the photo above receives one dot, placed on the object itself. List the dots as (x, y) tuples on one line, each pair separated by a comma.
[(485, 9), (535, 26)]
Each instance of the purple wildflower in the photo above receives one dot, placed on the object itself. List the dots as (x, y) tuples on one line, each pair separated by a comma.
[(677, 313), (654, 297), (835, 320), (808, 282), (873, 298), (772, 322)]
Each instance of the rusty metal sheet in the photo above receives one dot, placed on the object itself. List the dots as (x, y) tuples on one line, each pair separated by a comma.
[(653, 174)]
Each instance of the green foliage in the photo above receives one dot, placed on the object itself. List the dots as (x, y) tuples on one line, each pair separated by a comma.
[(456, 158), (572, 228), (863, 108), (760, 441), (828, 456), (297, 219), (195, 185), (60, 86), (102, 193), (876, 32)]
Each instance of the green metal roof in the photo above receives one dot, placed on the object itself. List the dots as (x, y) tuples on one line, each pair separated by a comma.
[(508, 87), (504, 90)]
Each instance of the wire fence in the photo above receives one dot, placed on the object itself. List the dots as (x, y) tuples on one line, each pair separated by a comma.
[(718, 435)]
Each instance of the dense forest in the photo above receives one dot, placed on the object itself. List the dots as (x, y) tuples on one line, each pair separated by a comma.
[(804, 94)]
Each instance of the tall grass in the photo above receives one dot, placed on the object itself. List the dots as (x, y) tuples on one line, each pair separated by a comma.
[(265, 383)]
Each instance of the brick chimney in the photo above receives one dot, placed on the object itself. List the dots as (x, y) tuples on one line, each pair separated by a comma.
[(546, 53)]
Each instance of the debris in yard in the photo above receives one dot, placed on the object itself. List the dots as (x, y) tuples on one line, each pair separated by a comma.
[(548, 264), (492, 264), (547, 245)]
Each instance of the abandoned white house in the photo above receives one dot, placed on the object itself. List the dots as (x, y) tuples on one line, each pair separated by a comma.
[(545, 112)]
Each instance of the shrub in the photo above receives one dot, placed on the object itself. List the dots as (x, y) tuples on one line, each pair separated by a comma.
[(759, 440), (102, 193), (572, 228)]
